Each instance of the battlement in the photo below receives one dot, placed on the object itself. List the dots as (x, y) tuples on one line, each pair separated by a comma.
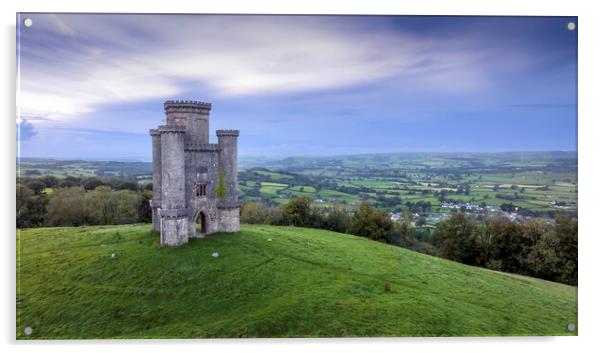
[(233, 133), (154, 132), (171, 128), (186, 106), (202, 147)]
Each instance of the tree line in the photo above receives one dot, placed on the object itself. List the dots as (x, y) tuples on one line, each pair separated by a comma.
[(75, 201), (535, 248)]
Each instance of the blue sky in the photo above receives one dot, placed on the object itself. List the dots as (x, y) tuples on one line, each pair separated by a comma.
[(90, 86)]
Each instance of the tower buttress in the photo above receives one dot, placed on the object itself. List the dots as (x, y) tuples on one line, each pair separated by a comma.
[(228, 159), (174, 214), (155, 203), (229, 208)]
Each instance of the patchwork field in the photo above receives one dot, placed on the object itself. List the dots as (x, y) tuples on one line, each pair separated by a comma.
[(530, 184), (539, 184)]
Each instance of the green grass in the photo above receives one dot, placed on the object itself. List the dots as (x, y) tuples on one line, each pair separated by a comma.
[(303, 283), (274, 175), (337, 195), (306, 189), (271, 189)]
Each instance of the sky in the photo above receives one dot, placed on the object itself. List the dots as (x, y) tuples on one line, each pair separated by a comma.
[(90, 86)]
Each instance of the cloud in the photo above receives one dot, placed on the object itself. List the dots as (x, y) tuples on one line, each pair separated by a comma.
[(25, 131), (73, 64)]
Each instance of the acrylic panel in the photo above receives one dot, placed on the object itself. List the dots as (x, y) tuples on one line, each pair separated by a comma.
[(241, 176)]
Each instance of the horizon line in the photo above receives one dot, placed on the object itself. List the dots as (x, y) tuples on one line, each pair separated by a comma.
[(149, 158)]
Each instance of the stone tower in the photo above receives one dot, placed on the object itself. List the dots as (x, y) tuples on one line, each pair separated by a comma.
[(194, 181)]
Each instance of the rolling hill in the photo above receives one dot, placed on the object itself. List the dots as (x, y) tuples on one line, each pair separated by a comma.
[(268, 281)]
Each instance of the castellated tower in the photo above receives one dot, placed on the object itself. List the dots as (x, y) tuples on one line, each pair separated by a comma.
[(194, 181)]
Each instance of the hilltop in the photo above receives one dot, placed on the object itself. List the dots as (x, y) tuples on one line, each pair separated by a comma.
[(268, 281)]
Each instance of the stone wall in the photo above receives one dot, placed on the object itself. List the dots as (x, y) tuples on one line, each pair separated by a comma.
[(156, 201), (228, 161), (229, 219), (174, 231)]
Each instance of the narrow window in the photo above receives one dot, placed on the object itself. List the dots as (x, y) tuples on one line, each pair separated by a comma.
[(201, 190)]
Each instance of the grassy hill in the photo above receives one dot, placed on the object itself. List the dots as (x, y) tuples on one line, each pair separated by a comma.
[(302, 283)]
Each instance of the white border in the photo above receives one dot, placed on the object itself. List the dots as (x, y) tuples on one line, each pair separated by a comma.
[(590, 59)]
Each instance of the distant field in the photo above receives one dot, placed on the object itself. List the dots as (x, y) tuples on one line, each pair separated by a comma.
[(117, 282), (542, 182)]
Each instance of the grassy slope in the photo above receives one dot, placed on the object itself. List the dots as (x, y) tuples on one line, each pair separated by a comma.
[(305, 282)]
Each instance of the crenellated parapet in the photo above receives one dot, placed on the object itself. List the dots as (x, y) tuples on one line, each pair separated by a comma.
[(185, 101), (202, 147), (230, 133), (176, 129), (186, 106), (154, 132)]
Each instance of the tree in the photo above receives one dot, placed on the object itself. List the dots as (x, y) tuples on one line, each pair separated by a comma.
[(400, 233), (298, 212), (107, 206), (504, 245), (554, 256), (101, 206), (31, 208), (455, 239), (69, 181), (36, 186), (118, 184), (50, 181), (127, 206), (371, 223), (260, 213), (67, 207), (144, 208), (92, 183), (566, 248), (337, 220)]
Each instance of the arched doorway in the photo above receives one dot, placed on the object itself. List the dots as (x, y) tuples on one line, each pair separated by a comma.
[(200, 224)]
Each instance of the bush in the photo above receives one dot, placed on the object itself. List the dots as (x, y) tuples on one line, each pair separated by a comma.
[(92, 183), (36, 186), (300, 213), (337, 220), (50, 181), (371, 223), (260, 213), (530, 248), (75, 207), (31, 208), (69, 181), (504, 242), (106, 206), (67, 207)]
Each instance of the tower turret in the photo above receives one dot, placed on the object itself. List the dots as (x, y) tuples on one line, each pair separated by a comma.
[(174, 214), (227, 185), (228, 159), (193, 115), (155, 203)]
